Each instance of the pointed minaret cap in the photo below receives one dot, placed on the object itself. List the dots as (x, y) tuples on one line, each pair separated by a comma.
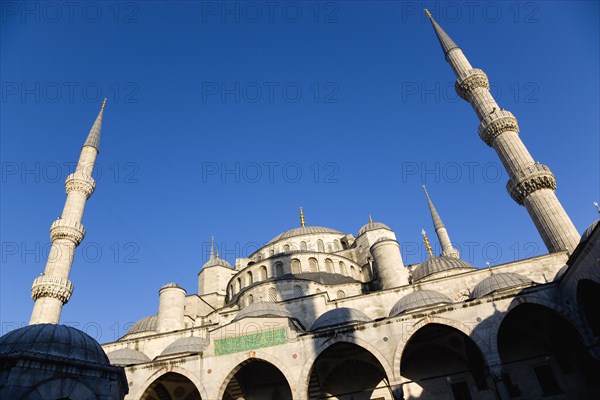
[(93, 139), (437, 220), (447, 43)]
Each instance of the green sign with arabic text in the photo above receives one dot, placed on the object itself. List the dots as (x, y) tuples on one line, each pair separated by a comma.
[(250, 342)]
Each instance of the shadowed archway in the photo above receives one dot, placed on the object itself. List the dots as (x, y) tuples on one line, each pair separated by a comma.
[(588, 300), (543, 355), (171, 386), (257, 379), (438, 360), (347, 371)]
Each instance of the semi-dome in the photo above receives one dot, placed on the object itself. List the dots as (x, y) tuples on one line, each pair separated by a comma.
[(588, 232), (53, 341), (339, 316), (371, 226), (418, 299), (304, 230), (499, 281), (439, 264), (191, 344), (144, 324), (263, 310), (127, 356)]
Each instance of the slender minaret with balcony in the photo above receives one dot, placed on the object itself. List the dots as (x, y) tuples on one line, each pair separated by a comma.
[(52, 289), (441, 231), (530, 183)]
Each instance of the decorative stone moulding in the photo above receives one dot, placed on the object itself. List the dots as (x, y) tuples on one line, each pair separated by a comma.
[(67, 229), (80, 182), (528, 180), (496, 124), (474, 78), (49, 286)]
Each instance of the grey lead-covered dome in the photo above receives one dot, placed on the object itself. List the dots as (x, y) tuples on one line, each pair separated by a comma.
[(191, 344), (262, 310), (339, 316), (144, 324), (418, 299), (53, 341), (371, 226), (127, 356), (588, 232), (439, 264), (499, 281), (304, 230)]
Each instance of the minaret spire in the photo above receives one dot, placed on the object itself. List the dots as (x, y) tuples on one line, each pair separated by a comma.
[(530, 183), (52, 289), (212, 248), (440, 230)]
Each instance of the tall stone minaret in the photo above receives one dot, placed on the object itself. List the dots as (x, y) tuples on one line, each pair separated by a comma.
[(530, 183), (441, 231), (53, 289)]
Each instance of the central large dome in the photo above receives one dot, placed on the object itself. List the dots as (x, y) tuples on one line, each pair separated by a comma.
[(304, 230)]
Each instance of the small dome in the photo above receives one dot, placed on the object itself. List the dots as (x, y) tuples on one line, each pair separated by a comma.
[(499, 281), (371, 226), (418, 299), (127, 356), (339, 316), (216, 261), (171, 285), (54, 341), (144, 324), (263, 310), (439, 264), (191, 344), (304, 230), (588, 232)]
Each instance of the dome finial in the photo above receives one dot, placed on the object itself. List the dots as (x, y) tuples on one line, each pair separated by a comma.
[(301, 217), (212, 248), (103, 104), (217, 254), (427, 12), (370, 219), (597, 206), (426, 241)]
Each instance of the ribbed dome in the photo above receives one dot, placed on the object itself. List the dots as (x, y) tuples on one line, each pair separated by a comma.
[(371, 226), (339, 316), (127, 356), (304, 230), (262, 310), (216, 261), (588, 231), (191, 344), (171, 285), (418, 299), (144, 324), (499, 281), (54, 341), (439, 264)]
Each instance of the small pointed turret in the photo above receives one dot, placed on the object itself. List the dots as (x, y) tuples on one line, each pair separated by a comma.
[(93, 138), (440, 230), (445, 41)]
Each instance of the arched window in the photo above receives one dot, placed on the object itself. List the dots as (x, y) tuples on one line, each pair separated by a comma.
[(329, 265), (313, 264), (272, 295), (298, 291), (340, 294), (278, 268), (336, 245), (249, 278), (250, 299), (318, 290), (343, 268), (303, 245), (296, 267), (353, 271), (286, 248), (239, 284), (272, 252), (320, 246), (263, 273)]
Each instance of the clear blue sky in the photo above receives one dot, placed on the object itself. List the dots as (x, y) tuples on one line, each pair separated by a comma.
[(354, 96)]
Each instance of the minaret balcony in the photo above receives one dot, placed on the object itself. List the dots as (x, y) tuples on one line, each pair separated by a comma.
[(530, 179), (495, 124), (469, 81), (50, 286), (67, 229), (80, 182)]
